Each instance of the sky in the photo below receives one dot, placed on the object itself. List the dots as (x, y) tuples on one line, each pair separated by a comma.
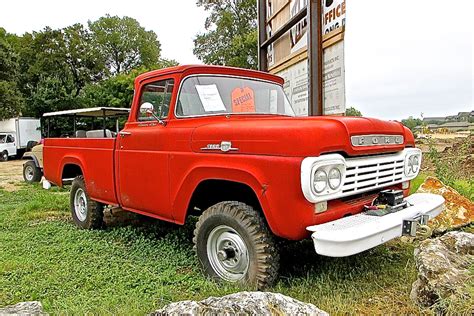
[(403, 57)]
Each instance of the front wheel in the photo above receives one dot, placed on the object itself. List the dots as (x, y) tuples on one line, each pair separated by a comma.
[(86, 213), (4, 156), (233, 244), (31, 173)]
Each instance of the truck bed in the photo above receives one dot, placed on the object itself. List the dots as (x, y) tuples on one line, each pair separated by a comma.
[(94, 156)]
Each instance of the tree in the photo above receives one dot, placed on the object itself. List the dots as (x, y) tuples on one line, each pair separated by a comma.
[(231, 37), (412, 122), (124, 44), (117, 91), (353, 112), (11, 100), (54, 68)]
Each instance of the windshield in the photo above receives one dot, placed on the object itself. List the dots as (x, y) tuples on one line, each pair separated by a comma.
[(210, 95), (2, 139)]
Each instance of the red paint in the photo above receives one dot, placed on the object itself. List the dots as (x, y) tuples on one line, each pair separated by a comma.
[(155, 170)]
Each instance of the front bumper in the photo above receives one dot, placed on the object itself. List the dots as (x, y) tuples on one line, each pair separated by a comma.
[(354, 234)]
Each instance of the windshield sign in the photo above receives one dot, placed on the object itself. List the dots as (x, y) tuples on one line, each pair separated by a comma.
[(213, 95)]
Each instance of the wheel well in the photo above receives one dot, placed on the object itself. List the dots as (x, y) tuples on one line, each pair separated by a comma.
[(210, 192), (70, 171)]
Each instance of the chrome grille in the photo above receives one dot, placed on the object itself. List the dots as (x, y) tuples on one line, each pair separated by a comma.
[(364, 174)]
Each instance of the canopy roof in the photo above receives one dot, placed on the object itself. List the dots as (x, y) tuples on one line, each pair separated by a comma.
[(91, 112)]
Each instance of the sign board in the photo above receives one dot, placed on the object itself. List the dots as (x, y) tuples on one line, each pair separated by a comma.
[(288, 55)]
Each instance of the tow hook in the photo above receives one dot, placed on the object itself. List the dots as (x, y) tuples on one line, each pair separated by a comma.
[(410, 225)]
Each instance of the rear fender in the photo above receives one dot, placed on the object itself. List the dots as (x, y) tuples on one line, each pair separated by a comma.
[(70, 160)]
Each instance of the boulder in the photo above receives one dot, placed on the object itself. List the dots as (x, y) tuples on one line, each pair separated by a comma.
[(242, 303), (443, 267), (459, 210), (32, 308)]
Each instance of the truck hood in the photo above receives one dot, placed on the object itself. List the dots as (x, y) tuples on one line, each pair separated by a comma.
[(296, 136)]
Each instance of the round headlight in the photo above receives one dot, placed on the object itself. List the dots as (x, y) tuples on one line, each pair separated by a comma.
[(334, 178), (320, 181)]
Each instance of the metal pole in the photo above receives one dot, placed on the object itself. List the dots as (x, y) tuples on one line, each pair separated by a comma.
[(262, 34), (315, 59), (74, 119), (104, 123)]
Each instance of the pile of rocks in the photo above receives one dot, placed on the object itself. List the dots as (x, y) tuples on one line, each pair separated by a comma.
[(459, 210), (242, 303), (443, 267), (32, 308)]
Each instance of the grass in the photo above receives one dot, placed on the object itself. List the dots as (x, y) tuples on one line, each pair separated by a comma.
[(136, 269)]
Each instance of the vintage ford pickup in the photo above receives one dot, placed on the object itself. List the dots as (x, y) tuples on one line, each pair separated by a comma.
[(223, 144)]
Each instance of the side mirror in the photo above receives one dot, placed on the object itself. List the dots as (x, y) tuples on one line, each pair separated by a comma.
[(147, 108)]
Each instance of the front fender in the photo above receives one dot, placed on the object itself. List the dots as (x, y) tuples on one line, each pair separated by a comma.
[(186, 187), (28, 156)]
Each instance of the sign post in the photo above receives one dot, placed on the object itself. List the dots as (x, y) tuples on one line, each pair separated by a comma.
[(302, 41)]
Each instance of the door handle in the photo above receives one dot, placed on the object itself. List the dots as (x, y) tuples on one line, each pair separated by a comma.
[(123, 134)]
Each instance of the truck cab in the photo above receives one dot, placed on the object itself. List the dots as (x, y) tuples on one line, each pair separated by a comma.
[(17, 135), (224, 144), (7, 146)]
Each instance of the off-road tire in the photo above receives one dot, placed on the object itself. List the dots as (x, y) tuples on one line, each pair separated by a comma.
[(4, 156), (37, 174), (251, 227), (94, 217)]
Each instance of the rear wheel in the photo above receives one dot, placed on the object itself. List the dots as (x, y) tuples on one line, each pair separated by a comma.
[(86, 213), (31, 173), (4, 156), (233, 244)]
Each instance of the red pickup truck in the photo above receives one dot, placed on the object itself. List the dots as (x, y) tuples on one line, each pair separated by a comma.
[(224, 144)]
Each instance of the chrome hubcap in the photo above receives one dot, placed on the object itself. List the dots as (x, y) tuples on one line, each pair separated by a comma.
[(80, 205), (227, 253), (29, 172)]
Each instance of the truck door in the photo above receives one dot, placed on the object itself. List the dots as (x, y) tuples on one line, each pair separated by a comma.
[(142, 155), (11, 146)]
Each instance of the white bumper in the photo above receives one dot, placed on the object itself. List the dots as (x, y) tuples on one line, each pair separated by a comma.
[(350, 235)]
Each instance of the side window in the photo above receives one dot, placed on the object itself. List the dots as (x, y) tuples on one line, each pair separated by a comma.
[(158, 94), (10, 139)]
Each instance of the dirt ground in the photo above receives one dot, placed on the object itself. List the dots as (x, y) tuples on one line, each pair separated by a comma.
[(11, 174)]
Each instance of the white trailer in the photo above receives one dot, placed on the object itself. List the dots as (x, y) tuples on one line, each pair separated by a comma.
[(15, 134)]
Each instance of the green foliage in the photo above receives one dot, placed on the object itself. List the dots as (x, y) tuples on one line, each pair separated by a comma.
[(412, 122), (76, 66), (231, 34), (353, 112), (135, 269), (124, 44), (11, 99), (115, 91)]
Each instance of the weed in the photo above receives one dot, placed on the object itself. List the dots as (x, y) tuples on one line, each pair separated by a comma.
[(451, 170)]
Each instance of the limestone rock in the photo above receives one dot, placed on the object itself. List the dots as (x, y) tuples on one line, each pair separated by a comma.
[(32, 308), (459, 211), (443, 267), (242, 303)]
